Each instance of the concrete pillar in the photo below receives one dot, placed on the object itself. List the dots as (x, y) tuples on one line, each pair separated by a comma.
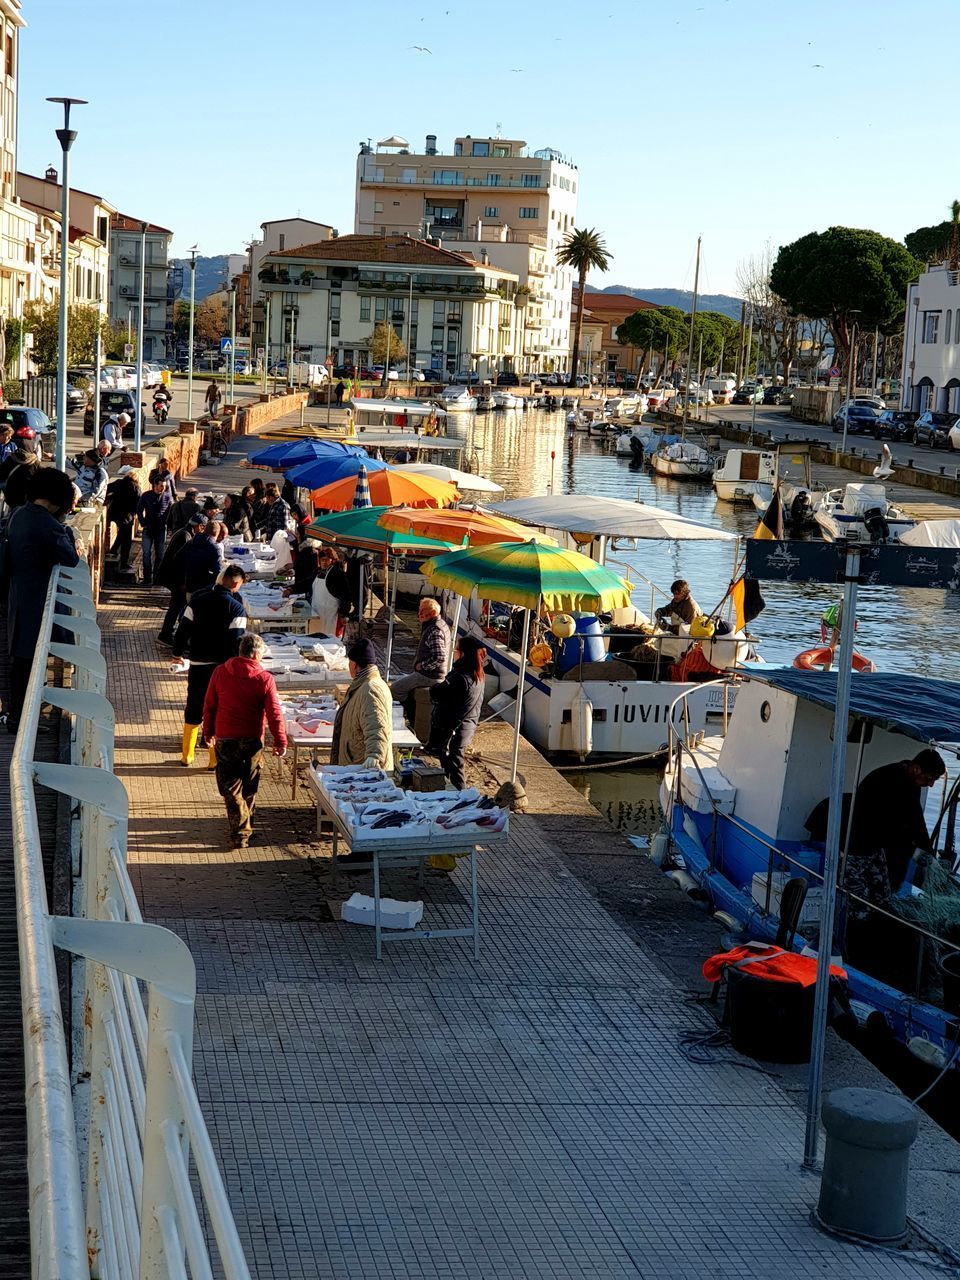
[(864, 1187), (188, 427)]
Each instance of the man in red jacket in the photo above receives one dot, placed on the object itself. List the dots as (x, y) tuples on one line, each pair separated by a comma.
[(241, 696)]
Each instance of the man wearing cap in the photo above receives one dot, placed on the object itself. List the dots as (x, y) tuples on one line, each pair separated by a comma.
[(172, 574), (91, 478), (363, 729), (123, 498), (181, 511)]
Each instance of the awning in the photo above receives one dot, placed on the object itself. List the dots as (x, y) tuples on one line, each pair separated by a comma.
[(926, 710)]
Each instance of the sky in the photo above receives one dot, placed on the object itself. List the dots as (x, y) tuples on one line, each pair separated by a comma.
[(746, 121)]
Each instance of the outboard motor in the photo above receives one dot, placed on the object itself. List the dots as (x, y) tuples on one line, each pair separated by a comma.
[(800, 510), (876, 525), (636, 447)]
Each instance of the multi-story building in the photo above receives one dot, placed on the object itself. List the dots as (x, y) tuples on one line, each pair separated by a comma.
[(931, 341), (278, 236), (601, 354), (88, 240), (452, 313), (125, 235), (490, 195)]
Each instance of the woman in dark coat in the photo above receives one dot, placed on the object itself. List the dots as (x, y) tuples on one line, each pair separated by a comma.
[(235, 517), (456, 708)]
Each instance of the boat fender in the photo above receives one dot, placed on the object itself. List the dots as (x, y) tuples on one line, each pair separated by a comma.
[(730, 922), (659, 848), (927, 1051), (685, 880), (581, 723), (690, 829)]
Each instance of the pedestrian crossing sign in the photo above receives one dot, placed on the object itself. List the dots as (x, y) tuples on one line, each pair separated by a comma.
[(226, 346)]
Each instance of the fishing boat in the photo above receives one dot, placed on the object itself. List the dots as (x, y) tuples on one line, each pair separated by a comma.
[(683, 460), (609, 688), (743, 472), (737, 808), (860, 512)]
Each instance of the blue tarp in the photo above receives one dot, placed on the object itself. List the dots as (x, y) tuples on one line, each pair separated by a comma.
[(927, 710)]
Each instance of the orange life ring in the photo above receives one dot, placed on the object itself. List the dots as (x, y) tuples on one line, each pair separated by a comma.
[(823, 656)]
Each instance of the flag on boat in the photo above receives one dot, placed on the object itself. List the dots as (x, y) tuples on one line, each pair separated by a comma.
[(771, 522), (748, 603)]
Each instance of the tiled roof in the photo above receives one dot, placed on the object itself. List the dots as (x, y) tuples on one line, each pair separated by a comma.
[(123, 222), (403, 250), (615, 302)]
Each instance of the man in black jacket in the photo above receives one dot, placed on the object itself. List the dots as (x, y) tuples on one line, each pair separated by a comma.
[(202, 559), (123, 498), (210, 628), (181, 511), (152, 514), (36, 541), (172, 574)]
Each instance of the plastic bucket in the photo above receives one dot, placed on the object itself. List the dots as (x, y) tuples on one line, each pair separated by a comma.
[(772, 1021), (950, 972)]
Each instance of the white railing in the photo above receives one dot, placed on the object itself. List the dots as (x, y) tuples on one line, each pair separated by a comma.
[(114, 1128)]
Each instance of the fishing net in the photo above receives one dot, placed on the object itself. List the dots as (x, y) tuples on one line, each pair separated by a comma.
[(937, 909)]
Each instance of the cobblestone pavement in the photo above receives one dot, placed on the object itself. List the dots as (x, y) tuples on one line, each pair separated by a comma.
[(528, 1115)]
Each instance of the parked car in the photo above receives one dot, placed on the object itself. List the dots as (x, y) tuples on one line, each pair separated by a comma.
[(152, 374), (895, 424), (778, 395), (933, 428), (25, 416), (953, 437), (860, 419), (111, 402), (464, 379), (506, 379), (344, 370), (368, 374), (749, 393)]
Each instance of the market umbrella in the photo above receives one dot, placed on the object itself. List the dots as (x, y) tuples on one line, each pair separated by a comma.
[(456, 525), (388, 488), (292, 453), (361, 492), (524, 573), (607, 517), (362, 528), (464, 480), (329, 470)]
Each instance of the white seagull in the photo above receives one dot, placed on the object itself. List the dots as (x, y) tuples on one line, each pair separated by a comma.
[(885, 468)]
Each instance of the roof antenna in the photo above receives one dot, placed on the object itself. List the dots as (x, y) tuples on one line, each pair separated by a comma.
[(499, 129)]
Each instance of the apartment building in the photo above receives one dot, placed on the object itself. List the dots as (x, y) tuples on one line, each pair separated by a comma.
[(88, 239), (125, 282), (931, 341), (488, 196), (278, 235), (452, 313)]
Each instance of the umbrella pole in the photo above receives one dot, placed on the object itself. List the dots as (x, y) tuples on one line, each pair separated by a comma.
[(456, 619), (523, 678), (393, 611)]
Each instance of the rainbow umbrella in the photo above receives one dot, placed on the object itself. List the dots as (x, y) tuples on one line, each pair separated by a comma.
[(526, 573), (388, 488), (330, 470), (293, 453)]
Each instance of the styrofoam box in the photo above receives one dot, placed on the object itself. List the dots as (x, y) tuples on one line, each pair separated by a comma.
[(359, 909), (809, 914)]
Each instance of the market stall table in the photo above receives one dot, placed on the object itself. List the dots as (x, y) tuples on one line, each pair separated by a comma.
[(322, 740)]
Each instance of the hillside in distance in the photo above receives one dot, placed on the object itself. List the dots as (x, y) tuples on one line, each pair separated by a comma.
[(683, 299), (211, 274)]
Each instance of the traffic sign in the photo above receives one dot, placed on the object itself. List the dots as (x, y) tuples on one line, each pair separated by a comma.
[(226, 346), (834, 372), (128, 350)]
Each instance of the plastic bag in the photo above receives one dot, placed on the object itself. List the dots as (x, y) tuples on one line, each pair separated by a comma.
[(281, 546)]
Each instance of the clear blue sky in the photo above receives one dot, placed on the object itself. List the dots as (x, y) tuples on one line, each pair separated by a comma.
[(684, 117)]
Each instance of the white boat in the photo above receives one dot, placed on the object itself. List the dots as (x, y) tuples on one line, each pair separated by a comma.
[(620, 707), (458, 399), (861, 513), (682, 461), (506, 400), (636, 442), (390, 416), (743, 472)]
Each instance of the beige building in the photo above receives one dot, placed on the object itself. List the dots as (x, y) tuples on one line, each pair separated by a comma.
[(278, 236), (489, 195), (124, 299), (454, 314), (89, 238)]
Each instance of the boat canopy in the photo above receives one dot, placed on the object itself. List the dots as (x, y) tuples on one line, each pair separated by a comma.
[(412, 408), (933, 533), (607, 517), (919, 707)]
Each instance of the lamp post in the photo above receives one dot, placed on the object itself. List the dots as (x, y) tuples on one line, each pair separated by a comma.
[(138, 415), (66, 137), (193, 303), (266, 341), (232, 365)]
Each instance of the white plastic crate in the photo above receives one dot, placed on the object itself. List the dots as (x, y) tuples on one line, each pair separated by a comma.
[(359, 909)]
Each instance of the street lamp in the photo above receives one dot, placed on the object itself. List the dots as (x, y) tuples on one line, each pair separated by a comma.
[(66, 137), (193, 301), (138, 417), (232, 366)]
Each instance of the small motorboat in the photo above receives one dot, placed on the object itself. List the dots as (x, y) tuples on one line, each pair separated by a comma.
[(634, 444), (682, 461), (506, 400), (458, 399), (743, 472), (860, 512), (823, 656)]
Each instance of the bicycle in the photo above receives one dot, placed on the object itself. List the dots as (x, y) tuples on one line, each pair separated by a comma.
[(216, 443)]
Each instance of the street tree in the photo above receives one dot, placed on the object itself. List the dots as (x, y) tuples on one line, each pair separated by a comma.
[(937, 243), (584, 251), (386, 344), (211, 320), (42, 320), (654, 329), (845, 275)]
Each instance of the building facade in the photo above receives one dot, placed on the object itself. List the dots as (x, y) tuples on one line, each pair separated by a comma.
[(89, 238), (488, 196), (600, 352), (931, 346), (278, 236), (452, 313), (125, 282)]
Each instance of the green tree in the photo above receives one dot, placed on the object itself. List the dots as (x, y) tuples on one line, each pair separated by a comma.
[(386, 344), (13, 331), (933, 244), (845, 275), (660, 329), (115, 341), (211, 320), (584, 251), (42, 320)]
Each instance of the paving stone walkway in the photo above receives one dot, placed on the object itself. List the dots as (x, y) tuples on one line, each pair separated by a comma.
[(529, 1115)]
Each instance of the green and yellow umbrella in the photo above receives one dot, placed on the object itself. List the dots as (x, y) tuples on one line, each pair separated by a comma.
[(525, 573)]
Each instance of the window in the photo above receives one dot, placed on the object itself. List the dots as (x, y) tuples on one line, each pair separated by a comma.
[(436, 339), (448, 177), (531, 180), (481, 148), (529, 211), (408, 175), (493, 179), (501, 151), (364, 310), (378, 206), (283, 241), (334, 328), (947, 326), (931, 326), (335, 306), (8, 53), (493, 211), (458, 148), (380, 310), (439, 311), (956, 336)]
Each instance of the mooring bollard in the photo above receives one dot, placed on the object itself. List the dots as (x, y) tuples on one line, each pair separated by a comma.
[(864, 1186)]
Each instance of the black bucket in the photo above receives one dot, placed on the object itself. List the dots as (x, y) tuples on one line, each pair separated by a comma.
[(772, 1021), (950, 972)]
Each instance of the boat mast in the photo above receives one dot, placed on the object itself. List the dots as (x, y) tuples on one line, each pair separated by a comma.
[(693, 320)]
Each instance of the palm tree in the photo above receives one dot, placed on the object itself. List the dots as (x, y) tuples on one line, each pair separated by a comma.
[(582, 250)]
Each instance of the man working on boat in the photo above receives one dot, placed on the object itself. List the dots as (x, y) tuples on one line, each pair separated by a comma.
[(887, 826), (681, 608)]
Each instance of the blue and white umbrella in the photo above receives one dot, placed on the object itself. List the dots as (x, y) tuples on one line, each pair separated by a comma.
[(361, 495), (292, 453)]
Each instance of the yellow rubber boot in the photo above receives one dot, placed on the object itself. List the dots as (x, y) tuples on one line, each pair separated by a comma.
[(190, 735), (211, 757)]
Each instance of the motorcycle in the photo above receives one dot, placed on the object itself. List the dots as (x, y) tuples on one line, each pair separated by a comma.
[(161, 409)]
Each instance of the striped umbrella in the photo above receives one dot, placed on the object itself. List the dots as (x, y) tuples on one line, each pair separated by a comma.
[(361, 494)]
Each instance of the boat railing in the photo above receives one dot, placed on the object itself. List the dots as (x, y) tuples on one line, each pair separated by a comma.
[(677, 744)]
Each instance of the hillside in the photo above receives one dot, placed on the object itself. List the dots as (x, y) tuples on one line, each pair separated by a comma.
[(211, 274), (683, 299)]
